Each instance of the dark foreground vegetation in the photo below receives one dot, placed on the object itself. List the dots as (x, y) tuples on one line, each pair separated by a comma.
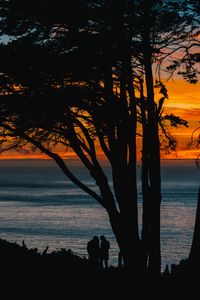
[(31, 274)]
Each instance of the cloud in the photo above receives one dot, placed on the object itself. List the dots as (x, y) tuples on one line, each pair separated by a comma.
[(187, 113)]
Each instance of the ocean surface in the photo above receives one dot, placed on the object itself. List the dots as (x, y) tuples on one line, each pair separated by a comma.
[(39, 205)]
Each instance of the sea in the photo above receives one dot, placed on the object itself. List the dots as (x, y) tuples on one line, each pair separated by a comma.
[(40, 206)]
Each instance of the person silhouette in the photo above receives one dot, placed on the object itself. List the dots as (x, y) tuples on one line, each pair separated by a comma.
[(93, 250), (104, 252)]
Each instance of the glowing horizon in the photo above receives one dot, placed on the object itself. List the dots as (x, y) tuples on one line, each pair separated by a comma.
[(183, 101)]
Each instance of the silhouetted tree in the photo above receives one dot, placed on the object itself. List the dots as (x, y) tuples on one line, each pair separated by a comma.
[(85, 93), (159, 41), (69, 77)]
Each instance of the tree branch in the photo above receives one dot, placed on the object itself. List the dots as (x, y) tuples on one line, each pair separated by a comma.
[(59, 162)]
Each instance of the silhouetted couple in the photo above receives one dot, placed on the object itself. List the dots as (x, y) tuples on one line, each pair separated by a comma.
[(98, 251)]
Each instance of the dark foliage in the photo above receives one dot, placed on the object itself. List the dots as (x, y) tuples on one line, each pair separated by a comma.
[(28, 273)]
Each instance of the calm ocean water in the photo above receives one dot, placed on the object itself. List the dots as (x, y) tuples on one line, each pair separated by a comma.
[(40, 206)]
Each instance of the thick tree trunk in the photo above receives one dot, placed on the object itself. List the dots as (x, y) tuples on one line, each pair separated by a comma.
[(123, 149), (124, 175), (129, 247), (154, 162), (194, 255), (145, 185)]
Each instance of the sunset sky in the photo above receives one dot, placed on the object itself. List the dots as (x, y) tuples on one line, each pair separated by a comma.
[(183, 101)]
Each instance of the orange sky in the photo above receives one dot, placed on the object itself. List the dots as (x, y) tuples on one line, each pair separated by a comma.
[(184, 101)]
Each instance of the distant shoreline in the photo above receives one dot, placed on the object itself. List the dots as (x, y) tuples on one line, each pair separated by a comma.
[(75, 159), (76, 162)]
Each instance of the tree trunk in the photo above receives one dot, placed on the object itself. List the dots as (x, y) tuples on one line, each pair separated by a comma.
[(154, 162), (194, 255), (145, 185), (128, 246)]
